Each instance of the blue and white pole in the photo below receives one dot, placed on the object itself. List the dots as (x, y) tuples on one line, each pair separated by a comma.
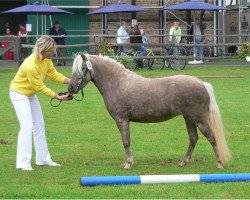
[(156, 179)]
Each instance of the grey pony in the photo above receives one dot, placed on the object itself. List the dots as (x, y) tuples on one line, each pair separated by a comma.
[(131, 97)]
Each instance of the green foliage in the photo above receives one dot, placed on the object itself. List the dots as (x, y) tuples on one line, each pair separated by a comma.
[(125, 59), (244, 50), (85, 140), (105, 48)]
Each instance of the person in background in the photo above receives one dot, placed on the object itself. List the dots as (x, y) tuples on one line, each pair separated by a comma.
[(136, 38), (57, 30), (5, 27), (22, 33), (175, 32), (198, 33), (174, 35), (28, 81), (9, 55), (144, 37), (122, 36)]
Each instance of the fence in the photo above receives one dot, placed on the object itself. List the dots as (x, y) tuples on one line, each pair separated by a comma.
[(10, 51), (219, 50)]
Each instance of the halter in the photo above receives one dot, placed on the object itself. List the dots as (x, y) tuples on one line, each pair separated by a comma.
[(88, 68)]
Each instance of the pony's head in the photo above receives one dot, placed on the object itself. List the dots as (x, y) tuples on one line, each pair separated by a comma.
[(81, 73)]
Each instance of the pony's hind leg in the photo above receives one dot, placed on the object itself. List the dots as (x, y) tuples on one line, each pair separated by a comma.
[(193, 138), (123, 126), (208, 133)]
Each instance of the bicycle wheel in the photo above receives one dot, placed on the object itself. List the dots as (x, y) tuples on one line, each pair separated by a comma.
[(165, 64), (149, 63), (177, 64)]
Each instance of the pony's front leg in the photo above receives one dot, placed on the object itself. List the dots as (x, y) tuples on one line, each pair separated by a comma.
[(123, 126)]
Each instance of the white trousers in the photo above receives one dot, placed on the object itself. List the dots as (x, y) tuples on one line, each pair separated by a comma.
[(30, 116)]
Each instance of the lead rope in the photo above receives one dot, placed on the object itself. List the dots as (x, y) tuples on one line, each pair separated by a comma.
[(70, 97)]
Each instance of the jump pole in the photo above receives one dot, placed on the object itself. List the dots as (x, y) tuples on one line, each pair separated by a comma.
[(157, 179)]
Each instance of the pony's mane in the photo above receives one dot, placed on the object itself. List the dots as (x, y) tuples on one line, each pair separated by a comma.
[(113, 64), (77, 63)]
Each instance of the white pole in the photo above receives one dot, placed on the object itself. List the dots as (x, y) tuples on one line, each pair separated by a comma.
[(153, 179)]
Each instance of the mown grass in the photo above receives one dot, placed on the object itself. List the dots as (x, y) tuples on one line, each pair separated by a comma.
[(84, 139)]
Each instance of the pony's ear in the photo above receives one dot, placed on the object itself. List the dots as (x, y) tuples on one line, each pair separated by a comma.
[(84, 58)]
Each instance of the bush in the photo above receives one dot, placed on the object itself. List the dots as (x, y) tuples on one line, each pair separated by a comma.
[(124, 59), (244, 50), (105, 48)]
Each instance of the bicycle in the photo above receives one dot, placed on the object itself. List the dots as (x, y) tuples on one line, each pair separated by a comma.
[(175, 63), (145, 63), (207, 51)]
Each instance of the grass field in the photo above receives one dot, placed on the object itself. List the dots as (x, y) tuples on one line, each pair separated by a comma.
[(84, 139)]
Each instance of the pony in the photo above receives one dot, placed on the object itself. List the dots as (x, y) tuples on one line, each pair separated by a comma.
[(130, 97)]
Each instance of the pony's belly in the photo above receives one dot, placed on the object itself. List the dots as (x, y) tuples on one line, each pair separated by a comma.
[(151, 118)]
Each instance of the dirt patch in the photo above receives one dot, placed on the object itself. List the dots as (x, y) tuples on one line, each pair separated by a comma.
[(2, 141)]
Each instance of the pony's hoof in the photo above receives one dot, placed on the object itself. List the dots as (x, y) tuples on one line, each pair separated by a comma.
[(182, 164), (127, 165), (220, 166)]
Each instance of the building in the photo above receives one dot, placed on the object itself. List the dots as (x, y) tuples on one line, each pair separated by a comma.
[(155, 21)]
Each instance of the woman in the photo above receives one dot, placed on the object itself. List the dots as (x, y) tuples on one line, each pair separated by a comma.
[(136, 38), (28, 81), (122, 37)]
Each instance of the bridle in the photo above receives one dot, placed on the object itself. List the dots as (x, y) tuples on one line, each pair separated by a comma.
[(88, 69), (80, 85)]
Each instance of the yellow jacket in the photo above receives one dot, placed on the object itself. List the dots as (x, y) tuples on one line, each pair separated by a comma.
[(31, 74)]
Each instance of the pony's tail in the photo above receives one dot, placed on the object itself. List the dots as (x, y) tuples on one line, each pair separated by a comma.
[(217, 125)]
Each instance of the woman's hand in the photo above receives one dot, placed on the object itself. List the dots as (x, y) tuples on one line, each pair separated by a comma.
[(66, 81), (63, 96)]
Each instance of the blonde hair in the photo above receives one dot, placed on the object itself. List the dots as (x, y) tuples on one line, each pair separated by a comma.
[(44, 43)]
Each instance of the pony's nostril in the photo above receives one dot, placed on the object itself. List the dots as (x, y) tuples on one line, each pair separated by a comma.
[(70, 88)]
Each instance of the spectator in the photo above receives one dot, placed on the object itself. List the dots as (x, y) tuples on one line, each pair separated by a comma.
[(175, 33), (5, 27), (57, 30), (23, 88), (136, 38), (9, 55), (144, 37), (174, 36), (122, 36), (22, 33), (197, 31)]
